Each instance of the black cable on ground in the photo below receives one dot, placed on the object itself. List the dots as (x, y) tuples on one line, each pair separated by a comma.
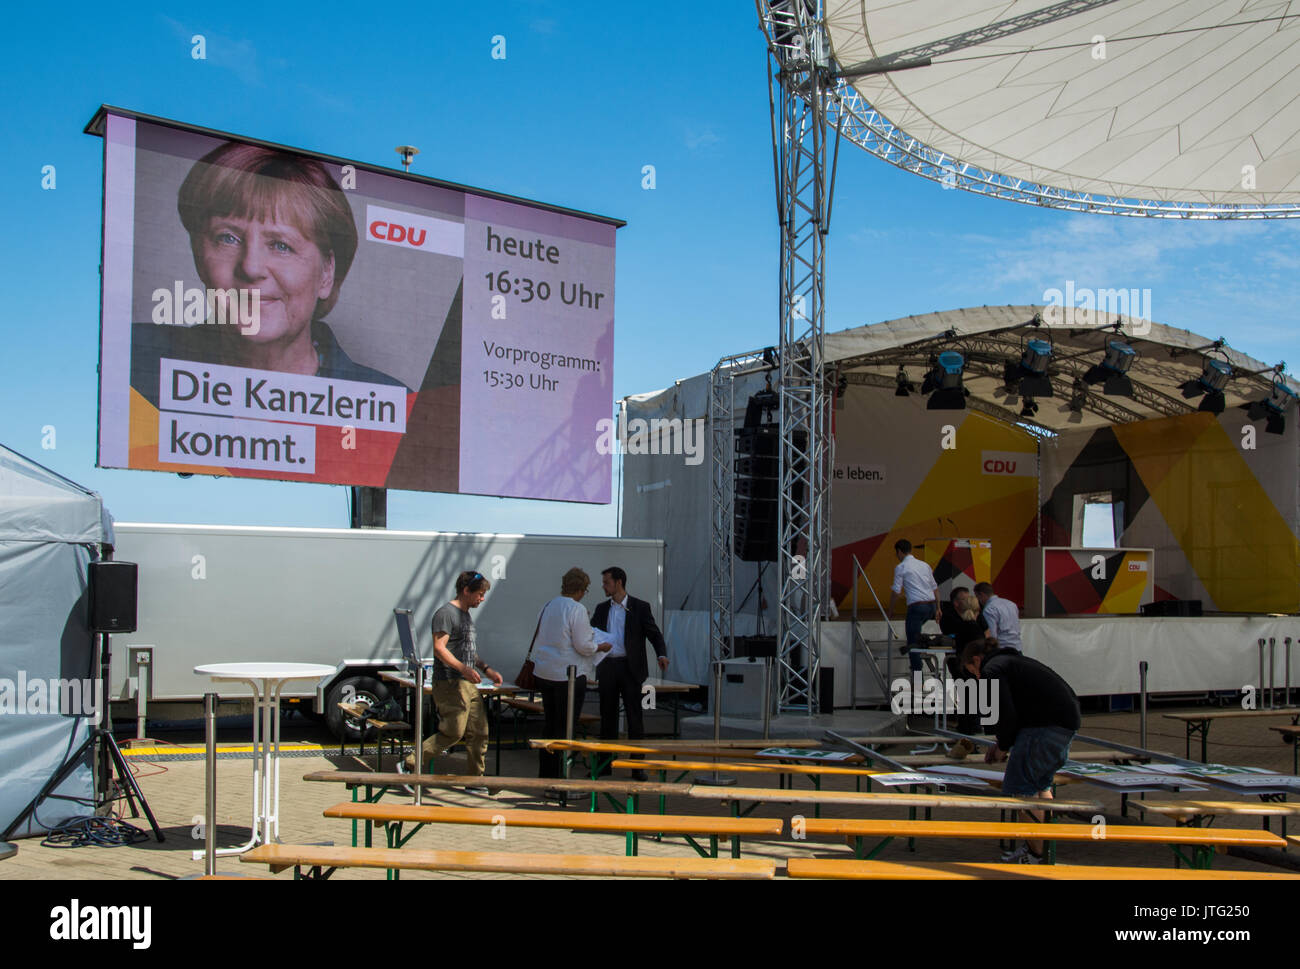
[(101, 832)]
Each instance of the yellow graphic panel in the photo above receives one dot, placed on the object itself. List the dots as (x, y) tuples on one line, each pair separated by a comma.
[(144, 442), (1125, 592), (986, 485), (1232, 535)]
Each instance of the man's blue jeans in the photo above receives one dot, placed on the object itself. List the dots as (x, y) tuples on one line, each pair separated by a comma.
[(918, 614)]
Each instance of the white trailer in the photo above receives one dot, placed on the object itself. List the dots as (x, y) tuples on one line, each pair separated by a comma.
[(216, 594)]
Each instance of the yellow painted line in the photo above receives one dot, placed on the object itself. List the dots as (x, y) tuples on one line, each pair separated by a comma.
[(221, 749)]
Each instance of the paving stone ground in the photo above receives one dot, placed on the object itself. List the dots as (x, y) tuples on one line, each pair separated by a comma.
[(175, 790)]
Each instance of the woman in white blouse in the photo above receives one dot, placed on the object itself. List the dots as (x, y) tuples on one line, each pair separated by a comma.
[(564, 639)]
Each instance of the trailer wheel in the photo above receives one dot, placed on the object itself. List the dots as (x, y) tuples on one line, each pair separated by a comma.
[(354, 689)]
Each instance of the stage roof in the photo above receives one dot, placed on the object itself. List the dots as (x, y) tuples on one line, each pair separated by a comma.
[(1166, 100), (990, 337)]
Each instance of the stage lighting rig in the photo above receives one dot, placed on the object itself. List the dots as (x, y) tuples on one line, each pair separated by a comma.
[(1078, 400), (1274, 408), (1113, 370), (1029, 377), (943, 383), (904, 386), (1215, 374)]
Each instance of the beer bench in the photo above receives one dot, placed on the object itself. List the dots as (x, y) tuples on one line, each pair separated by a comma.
[(1194, 812), (384, 730), (1291, 734), (322, 862), (966, 871), (393, 816), (535, 706), (1199, 722), (764, 795), (375, 785), (1204, 840), (912, 801)]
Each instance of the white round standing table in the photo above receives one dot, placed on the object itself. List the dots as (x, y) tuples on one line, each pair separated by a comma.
[(266, 681)]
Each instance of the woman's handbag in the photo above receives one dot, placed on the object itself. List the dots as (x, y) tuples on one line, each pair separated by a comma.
[(525, 679)]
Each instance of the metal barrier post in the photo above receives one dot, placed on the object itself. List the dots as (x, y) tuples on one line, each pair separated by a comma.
[(568, 722), (210, 786), (1272, 673), (716, 779), (419, 731), (1260, 682), (767, 700), (853, 646), (1286, 644), (1142, 685)]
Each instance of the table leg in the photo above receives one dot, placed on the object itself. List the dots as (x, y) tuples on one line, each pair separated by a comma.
[(275, 758), (255, 835)]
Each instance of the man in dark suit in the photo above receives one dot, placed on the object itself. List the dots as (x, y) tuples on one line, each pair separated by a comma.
[(628, 622)]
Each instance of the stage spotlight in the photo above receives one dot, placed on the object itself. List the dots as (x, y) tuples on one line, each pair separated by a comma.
[(1215, 375), (1074, 407), (1028, 408), (1274, 408), (904, 386), (1113, 370), (1033, 369), (944, 382)]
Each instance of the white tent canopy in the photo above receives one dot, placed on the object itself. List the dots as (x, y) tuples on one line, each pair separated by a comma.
[(50, 529), (1177, 101)]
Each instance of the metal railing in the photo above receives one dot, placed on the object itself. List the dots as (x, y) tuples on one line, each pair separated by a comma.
[(856, 639)]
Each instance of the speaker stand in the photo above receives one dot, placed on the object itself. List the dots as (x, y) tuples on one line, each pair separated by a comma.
[(108, 750)]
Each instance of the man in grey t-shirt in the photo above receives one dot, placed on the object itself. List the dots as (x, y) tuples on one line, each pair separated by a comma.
[(454, 625), (457, 670)]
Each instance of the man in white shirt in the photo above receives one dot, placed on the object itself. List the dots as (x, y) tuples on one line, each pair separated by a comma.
[(1002, 616), (915, 581)]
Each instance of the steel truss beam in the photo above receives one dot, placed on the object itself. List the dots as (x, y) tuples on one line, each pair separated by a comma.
[(800, 82), (722, 455)]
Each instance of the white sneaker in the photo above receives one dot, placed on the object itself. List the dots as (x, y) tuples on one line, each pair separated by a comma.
[(1022, 856), (403, 769)]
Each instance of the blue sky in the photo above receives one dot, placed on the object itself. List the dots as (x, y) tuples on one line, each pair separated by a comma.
[(587, 95)]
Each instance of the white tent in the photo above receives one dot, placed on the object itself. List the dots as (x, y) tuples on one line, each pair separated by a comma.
[(50, 529)]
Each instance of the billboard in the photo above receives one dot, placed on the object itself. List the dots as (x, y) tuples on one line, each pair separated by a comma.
[(273, 313)]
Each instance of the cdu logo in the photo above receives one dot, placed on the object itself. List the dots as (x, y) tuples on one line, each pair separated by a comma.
[(411, 231)]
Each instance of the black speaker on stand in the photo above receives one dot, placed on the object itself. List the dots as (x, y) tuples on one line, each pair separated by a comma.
[(112, 587), (757, 479)]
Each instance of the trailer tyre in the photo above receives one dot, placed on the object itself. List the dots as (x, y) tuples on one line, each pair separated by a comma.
[(354, 689)]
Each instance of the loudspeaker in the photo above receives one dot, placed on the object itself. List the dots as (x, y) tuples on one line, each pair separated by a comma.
[(757, 489), (755, 647), (112, 597)]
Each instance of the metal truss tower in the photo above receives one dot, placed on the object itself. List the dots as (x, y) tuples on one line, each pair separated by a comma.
[(799, 88)]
